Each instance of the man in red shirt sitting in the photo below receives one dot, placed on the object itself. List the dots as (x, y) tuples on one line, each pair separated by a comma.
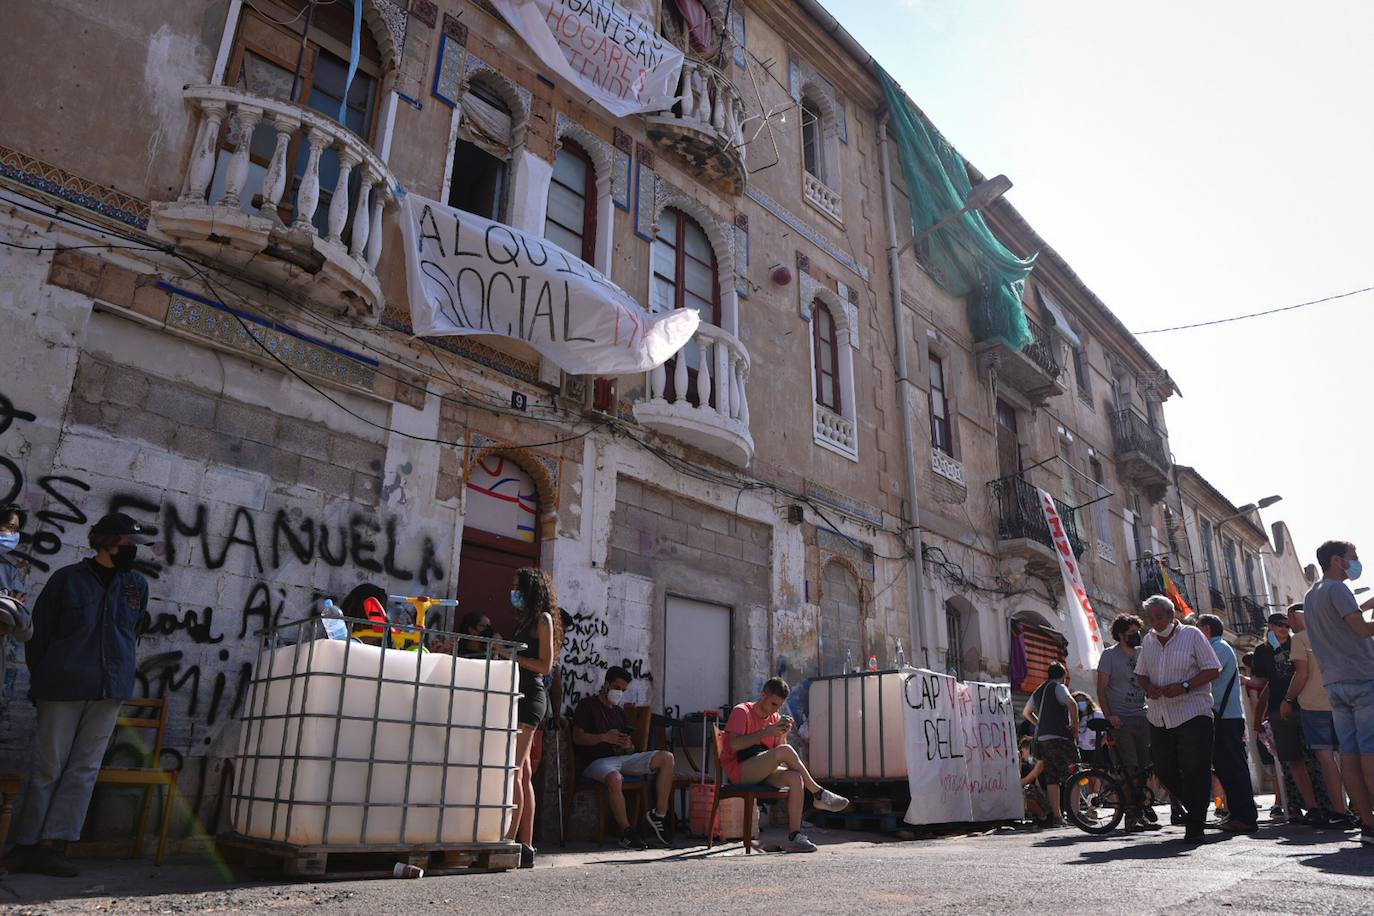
[(601, 731), (756, 751)]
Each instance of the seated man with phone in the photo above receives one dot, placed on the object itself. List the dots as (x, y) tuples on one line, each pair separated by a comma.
[(756, 751), (601, 731)]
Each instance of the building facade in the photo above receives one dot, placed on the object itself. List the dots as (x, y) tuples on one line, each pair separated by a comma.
[(204, 287)]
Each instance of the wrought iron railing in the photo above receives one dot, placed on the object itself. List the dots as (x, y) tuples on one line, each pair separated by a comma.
[(1218, 599), (1019, 514), (1133, 434), (1041, 350), (1247, 616), (1152, 579)]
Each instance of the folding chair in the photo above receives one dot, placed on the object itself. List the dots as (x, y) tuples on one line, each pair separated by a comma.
[(150, 777), (750, 792)]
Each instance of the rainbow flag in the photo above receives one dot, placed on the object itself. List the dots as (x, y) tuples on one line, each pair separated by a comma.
[(1170, 589)]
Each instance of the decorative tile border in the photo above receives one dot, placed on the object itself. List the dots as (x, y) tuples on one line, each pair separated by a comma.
[(852, 507), (849, 300), (741, 234), (50, 179), (475, 64), (448, 72), (397, 23), (473, 350), (218, 322), (646, 198), (805, 231), (620, 178)]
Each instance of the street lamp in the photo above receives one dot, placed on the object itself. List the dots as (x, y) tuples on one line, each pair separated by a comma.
[(980, 196)]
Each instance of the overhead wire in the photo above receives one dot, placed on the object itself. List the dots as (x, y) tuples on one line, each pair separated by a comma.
[(1274, 311)]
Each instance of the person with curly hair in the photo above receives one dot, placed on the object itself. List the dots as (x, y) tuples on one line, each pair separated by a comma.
[(540, 628)]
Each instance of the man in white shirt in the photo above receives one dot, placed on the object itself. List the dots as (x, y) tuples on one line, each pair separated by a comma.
[(1175, 666)]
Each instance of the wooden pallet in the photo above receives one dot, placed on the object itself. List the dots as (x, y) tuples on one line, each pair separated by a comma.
[(371, 861)]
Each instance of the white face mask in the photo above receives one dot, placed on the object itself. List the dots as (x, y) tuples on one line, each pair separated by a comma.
[(614, 697), (1169, 631)]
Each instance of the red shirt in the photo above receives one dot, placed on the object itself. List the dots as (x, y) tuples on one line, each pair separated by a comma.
[(743, 721)]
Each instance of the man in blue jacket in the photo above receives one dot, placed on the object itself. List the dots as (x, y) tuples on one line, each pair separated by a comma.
[(81, 666)]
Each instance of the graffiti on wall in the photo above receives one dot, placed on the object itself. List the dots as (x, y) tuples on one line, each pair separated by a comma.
[(584, 662)]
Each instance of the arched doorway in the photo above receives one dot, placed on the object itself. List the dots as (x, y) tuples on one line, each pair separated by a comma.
[(841, 610), (500, 535)]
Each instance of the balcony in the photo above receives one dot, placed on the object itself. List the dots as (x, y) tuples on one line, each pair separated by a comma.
[(1152, 580), (1218, 599), (706, 126), (1022, 529), (819, 195), (1247, 617), (1141, 453), (232, 210), (834, 431), (699, 397), (1033, 371)]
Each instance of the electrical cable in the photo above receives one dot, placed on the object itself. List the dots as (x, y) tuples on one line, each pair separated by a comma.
[(1286, 308)]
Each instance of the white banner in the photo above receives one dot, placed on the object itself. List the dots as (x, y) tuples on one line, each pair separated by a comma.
[(1085, 642), (615, 56), (960, 750), (466, 274)]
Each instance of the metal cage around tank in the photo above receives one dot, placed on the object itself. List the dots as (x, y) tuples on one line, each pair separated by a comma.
[(308, 737)]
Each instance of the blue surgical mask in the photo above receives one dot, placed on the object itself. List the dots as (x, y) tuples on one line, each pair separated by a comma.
[(1353, 569), (8, 542), (517, 600), (1082, 707), (1273, 639)]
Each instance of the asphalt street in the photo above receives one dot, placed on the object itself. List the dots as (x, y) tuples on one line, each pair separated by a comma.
[(1279, 870)]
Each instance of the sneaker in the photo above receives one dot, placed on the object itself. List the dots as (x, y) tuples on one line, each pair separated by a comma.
[(1151, 816), (1349, 821), (829, 801), (1231, 825), (1313, 818), (631, 839), (658, 823), (1221, 812), (1367, 836), (800, 843), (47, 861), (1278, 815)]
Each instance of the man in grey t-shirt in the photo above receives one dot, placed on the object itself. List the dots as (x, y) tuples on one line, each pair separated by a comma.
[(1123, 703), (1343, 641)]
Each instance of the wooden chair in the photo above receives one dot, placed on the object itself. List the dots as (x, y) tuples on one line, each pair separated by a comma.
[(750, 792), (151, 776), (634, 788)]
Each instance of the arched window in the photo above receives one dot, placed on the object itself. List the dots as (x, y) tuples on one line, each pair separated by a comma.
[(570, 221), (685, 267), (813, 152), (481, 167), (826, 349), (939, 408)]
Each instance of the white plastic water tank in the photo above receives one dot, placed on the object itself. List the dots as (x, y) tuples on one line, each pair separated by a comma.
[(420, 723), (857, 727)]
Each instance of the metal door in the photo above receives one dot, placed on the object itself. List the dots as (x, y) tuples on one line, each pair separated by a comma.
[(696, 651)]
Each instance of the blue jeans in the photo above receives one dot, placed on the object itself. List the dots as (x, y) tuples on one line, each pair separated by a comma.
[(68, 746), (1352, 711)]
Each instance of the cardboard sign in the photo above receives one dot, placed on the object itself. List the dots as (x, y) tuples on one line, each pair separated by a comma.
[(466, 274), (960, 750), (615, 56), (1085, 642)]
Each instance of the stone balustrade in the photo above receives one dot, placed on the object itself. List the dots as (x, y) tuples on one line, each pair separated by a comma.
[(706, 126), (819, 195), (835, 430), (329, 256), (708, 407)]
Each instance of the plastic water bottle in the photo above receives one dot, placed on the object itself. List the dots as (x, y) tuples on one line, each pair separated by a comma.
[(848, 661), (332, 618), (900, 659)]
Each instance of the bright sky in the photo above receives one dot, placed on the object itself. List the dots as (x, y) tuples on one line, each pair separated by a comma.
[(1190, 161)]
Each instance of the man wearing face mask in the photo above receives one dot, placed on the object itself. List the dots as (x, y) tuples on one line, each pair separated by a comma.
[(14, 616), (1123, 703), (1343, 641), (601, 731), (1175, 667), (1274, 671), (81, 666)]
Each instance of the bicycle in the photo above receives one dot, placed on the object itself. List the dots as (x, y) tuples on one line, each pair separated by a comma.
[(1094, 798)]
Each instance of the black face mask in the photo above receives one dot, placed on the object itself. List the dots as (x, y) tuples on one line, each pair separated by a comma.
[(124, 557), (1133, 640)]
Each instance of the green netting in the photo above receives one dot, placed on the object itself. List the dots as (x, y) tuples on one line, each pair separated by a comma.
[(965, 258)]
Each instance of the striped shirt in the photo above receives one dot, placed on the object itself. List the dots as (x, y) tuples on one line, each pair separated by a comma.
[(1186, 655)]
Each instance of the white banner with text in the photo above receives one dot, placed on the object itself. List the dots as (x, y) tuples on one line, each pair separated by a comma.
[(960, 750), (466, 274), (1085, 642), (615, 56)]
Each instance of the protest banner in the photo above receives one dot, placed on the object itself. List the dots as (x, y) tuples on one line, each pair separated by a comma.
[(961, 762), (1085, 642), (615, 56), (466, 274)]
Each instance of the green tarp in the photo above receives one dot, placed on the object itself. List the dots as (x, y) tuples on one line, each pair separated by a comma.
[(965, 258)]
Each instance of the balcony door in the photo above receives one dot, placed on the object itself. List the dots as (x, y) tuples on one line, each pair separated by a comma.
[(685, 276), (265, 62), (1008, 441)]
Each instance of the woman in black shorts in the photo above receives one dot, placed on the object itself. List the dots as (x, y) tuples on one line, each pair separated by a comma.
[(541, 629)]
